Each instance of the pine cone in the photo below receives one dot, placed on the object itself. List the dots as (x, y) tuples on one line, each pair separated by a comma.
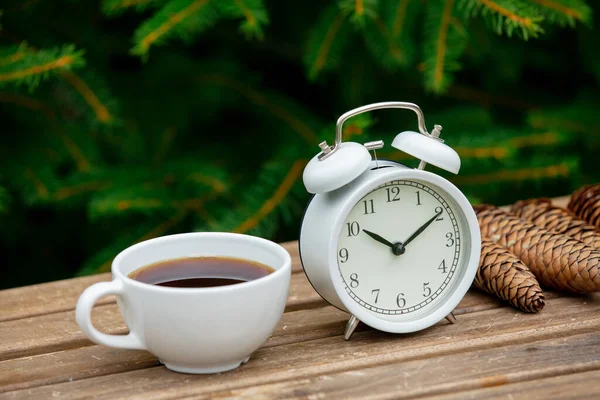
[(585, 203), (557, 261), (502, 274), (558, 220)]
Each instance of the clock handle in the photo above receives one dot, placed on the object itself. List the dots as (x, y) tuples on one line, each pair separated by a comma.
[(328, 150)]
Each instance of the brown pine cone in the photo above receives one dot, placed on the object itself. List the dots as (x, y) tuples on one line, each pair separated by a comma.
[(556, 260), (585, 203), (558, 220), (502, 274)]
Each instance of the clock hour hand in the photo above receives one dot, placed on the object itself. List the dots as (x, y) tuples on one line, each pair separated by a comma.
[(397, 248), (421, 229)]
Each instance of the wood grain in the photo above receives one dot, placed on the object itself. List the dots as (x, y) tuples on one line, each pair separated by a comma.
[(439, 375), (483, 330), (580, 386), (59, 331), (59, 296), (46, 298)]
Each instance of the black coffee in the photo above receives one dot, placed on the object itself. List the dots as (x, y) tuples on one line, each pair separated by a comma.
[(196, 272)]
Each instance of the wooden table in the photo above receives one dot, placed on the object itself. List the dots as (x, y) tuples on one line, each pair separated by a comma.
[(493, 351)]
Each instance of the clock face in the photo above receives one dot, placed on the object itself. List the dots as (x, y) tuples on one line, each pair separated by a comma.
[(399, 251)]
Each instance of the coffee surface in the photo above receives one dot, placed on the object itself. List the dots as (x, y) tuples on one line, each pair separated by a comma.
[(197, 272)]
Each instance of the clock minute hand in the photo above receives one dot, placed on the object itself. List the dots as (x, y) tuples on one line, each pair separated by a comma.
[(421, 229)]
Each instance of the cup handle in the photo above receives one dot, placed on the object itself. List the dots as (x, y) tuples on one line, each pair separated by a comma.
[(83, 315)]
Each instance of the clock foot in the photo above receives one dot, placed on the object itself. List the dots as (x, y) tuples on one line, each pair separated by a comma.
[(451, 318), (350, 327)]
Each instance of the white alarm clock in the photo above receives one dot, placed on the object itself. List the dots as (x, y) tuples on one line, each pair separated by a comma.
[(394, 246)]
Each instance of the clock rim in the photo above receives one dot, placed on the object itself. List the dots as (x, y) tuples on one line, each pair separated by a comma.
[(460, 288)]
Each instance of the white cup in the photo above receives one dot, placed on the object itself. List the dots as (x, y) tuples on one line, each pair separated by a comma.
[(193, 330)]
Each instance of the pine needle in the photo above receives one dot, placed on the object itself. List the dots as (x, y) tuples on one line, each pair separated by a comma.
[(253, 12), (114, 8), (507, 15), (577, 116), (28, 102), (99, 100), (268, 199), (326, 42), (33, 67), (280, 107), (444, 43), (12, 54), (390, 35), (360, 11), (564, 169), (178, 18), (565, 12)]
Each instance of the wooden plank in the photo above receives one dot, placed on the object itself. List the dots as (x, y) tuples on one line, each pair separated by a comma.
[(452, 373), (46, 298), (59, 331), (59, 296), (94, 360), (579, 386), (477, 331)]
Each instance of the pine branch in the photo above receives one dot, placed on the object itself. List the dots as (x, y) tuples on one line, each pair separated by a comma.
[(12, 54), (144, 200), (578, 116), (564, 169), (389, 37), (588, 50), (507, 15), (27, 102), (360, 11), (565, 12), (30, 68), (269, 198), (253, 12), (101, 261), (113, 8), (36, 184), (444, 43), (326, 42), (294, 117), (181, 19), (93, 99)]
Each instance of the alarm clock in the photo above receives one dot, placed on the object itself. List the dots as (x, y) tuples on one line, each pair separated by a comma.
[(396, 247)]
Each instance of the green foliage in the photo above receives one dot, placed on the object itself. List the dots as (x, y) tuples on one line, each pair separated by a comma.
[(326, 43), (101, 150), (23, 66), (360, 11), (178, 18), (114, 8), (508, 16), (565, 12), (390, 37), (445, 41), (253, 13)]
